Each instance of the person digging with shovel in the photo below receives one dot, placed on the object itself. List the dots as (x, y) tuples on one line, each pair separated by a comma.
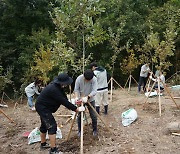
[(48, 102)]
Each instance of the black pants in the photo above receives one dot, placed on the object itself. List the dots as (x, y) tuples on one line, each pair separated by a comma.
[(48, 122), (92, 115), (142, 81)]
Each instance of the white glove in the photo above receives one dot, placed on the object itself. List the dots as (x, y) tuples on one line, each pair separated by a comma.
[(85, 99), (76, 99), (150, 77), (81, 108)]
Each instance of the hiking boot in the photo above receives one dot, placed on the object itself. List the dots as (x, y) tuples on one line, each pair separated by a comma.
[(55, 151), (44, 146)]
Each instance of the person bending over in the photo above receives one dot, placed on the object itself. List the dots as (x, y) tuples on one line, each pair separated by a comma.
[(48, 102)]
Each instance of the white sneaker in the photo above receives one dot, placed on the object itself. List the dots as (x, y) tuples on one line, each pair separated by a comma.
[(33, 108)]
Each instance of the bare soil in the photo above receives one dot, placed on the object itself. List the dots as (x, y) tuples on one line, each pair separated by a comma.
[(147, 135)]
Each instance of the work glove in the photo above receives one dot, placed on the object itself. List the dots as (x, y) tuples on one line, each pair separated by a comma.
[(150, 76), (85, 99), (81, 108), (76, 99)]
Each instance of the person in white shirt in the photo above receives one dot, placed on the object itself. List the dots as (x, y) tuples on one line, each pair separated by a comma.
[(102, 89), (30, 90), (143, 77), (162, 80)]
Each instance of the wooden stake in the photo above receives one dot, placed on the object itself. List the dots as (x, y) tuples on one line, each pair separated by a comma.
[(71, 126), (129, 83), (111, 88), (126, 82), (134, 80), (109, 80), (7, 116), (68, 120), (176, 134), (149, 82), (173, 97), (7, 96), (99, 117), (81, 149), (150, 91), (2, 98), (170, 95), (159, 97), (63, 115), (118, 84)]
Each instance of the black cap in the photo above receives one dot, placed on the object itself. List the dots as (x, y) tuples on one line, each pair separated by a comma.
[(63, 79), (88, 74)]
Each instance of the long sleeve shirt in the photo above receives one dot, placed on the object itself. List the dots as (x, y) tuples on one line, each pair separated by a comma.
[(85, 88), (144, 71), (52, 97), (31, 89), (162, 80), (101, 76)]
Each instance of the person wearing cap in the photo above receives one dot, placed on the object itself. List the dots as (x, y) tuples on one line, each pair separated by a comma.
[(86, 88), (48, 102), (143, 77), (102, 91)]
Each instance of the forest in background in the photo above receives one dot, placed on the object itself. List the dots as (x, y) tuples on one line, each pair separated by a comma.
[(41, 38)]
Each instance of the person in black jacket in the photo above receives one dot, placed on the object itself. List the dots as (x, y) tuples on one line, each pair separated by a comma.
[(47, 103)]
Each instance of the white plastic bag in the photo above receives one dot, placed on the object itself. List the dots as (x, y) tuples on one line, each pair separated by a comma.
[(34, 136), (129, 116), (152, 94)]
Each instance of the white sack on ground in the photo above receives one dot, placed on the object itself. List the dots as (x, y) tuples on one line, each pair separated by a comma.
[(34, 136), (152, 94), (176, 87), (128, 117)]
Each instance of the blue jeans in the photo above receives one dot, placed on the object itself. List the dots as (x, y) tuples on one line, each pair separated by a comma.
[(30, 101), (92, 115)]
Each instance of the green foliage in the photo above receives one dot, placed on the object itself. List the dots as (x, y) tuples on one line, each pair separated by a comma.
[(44, 63), (62, 31), (114, 41), (77, 19), (5, 79), (160, 50), (130, 63)]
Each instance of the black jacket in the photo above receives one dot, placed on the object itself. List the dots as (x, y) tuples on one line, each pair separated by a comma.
[(52, 97)]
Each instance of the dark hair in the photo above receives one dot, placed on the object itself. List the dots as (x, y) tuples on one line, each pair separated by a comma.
[(37, 81), (93, 64), (88, 74)]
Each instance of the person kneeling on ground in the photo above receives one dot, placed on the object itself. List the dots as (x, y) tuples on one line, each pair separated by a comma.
[(162, 81), (48, 102)]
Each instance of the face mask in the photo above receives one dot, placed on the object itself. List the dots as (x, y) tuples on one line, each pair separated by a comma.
[(63, 86)]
